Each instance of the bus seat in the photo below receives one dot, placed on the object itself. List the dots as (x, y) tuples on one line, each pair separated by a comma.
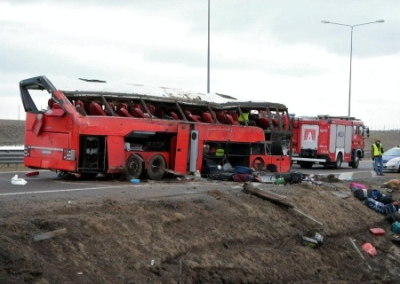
[(234, 115), (229, 119), (137, 112), (80, 107), (95, 109), (196, 118), (285, 122), (151, 108), (174, 115), (207, 117), (191, 117), (221, 116), (122, 110), (112, 108), (158, 112), (50, 103), (262, 122)]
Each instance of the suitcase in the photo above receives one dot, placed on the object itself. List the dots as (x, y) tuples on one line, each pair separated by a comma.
[(354, 186), (396, 227), (243, 170), (377, 231), (390, 208), (375, 205)]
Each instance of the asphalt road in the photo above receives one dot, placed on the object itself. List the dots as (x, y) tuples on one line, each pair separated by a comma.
[(47, 185)]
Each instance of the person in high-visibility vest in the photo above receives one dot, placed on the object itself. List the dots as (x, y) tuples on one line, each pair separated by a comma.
[(243, 117), (376, 153)]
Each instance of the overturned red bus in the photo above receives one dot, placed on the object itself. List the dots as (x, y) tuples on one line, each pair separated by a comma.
[(147, 133)]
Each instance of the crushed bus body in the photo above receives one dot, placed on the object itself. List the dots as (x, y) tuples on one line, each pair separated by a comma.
[(143, 132)]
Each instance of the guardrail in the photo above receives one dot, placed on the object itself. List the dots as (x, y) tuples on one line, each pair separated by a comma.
[(12, 155)]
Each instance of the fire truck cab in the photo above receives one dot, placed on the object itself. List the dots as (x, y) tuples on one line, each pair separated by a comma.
[(328, 140)]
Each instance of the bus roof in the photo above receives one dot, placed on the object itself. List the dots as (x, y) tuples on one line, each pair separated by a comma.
[(91, 88)]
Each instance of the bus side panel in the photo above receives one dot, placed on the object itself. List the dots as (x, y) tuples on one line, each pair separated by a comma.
[(285, 164), (115, 153)]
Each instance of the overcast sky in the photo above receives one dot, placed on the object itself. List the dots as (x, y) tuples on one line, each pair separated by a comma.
[(271, 50)]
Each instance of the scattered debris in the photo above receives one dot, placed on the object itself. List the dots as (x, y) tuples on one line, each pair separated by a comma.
[(341, 194), (18, 181), (274, 198), (49, 235), (393, 184), (377, 231), (314, 241), (270, 196), (135, 180), (32, 174), (395, 239), (370, 249), (359, 252)]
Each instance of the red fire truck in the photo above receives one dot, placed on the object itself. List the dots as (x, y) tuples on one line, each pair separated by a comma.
[(140, 131), (328, 140)]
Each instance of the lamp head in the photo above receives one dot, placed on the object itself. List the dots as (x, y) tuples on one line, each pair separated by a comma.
[(325, 22), (379, 21)]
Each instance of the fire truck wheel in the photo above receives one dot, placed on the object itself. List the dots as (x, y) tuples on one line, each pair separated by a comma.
[(354, 164), (134, 167), (156, 167), (339, 160)]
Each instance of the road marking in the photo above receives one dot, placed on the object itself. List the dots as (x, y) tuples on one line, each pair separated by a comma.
[(66, 190)]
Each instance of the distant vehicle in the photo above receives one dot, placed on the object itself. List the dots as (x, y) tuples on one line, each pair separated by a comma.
[(391, 160), (328, 140)]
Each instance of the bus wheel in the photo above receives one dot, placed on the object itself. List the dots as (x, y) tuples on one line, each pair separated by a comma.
[(258, 164), (156, 167), (134, 167)]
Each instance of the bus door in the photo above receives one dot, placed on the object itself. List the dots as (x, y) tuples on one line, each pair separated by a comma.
[(180, 149)]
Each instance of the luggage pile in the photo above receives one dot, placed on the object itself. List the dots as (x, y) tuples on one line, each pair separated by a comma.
[(377, 201)]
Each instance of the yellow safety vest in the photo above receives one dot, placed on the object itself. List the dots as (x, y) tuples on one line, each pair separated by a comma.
[(243, 117), (377, 151)]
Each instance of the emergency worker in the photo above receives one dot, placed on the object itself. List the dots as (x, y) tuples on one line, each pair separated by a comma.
[(244, 117), (377, 152)]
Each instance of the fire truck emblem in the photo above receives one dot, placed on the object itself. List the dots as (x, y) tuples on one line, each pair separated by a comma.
[(309, 134), (340, 134)]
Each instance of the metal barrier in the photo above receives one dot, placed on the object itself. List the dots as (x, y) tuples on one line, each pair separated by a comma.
[(12, 155)]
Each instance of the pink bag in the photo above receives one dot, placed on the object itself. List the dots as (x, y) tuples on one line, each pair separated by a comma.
[(354, 186)]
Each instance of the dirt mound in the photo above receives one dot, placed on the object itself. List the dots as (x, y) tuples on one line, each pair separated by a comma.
[(216, 237), (12, 132)]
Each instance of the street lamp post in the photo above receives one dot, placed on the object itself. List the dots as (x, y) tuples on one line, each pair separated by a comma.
[(208, 54), (351, 49)]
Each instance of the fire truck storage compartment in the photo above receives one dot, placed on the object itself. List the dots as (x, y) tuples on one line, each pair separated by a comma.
[(92, 154)]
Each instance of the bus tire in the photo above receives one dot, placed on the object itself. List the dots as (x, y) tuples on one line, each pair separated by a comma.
[(338, 162), (134, 167), (156, 167), (258, 164)]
